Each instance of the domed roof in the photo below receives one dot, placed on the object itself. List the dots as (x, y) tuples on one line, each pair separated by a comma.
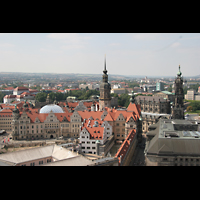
[(51, 107)]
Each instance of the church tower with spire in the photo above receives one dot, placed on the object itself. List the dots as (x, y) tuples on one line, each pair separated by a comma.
[(177, 107), (104, 99)]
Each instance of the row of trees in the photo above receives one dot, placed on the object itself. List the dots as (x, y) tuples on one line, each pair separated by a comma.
[(194, 106), (123, 99), (79, 94)]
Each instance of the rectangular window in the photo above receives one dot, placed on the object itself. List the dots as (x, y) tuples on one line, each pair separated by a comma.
[(165, 159), (40, 162)]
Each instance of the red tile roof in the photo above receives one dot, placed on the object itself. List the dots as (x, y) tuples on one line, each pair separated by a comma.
[(7, 111), (21, 88), (132, 110), (9, 96), (33, 114), (96, 133), (87, 114), (9, 88), (125, 145), (26, 94)]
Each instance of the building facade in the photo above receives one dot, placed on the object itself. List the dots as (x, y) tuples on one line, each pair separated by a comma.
[(95, 133), (165, 95), (153, 104), (160, 86)]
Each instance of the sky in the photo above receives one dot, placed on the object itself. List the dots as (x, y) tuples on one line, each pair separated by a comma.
[(146, 54)]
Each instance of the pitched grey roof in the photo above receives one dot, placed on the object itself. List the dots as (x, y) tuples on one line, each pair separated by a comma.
[(73, 161), (54, 151)]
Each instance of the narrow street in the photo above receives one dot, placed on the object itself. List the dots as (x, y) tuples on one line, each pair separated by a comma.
[(138, 158)]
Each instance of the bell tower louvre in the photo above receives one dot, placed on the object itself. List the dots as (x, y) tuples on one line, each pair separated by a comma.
[(104, 99)]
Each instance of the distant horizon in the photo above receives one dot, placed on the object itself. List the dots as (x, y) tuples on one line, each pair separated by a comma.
[(99, 74), (152, 54)]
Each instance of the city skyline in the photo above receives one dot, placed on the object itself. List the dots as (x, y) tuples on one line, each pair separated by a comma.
[(149, 54)]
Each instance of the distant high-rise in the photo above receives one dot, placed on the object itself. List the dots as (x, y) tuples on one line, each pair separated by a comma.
[(160, 86), (105, 99), (177, 107)]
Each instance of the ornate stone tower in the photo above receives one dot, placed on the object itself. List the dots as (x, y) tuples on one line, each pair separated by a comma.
[(177, 107), (105, 99), (15, 123)]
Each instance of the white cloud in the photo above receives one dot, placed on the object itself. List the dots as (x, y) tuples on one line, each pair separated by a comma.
[(4, 34), (72, 40), (145, 36), (6, 45), (114, 44), (175, 44), (50, 50), (72, 46)]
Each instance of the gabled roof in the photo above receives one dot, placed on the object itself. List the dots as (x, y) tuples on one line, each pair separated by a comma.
[(32, 154), (108, 118), (9, 96), (88, 114), (26, 94), (21, 88), (9, 88), (7, 111), (96, 133), (113, 114)]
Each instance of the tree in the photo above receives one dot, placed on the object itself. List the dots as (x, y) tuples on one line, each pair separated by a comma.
[(169, 89), (124, 100), (41, 97), (189, 109), (1, 96), (195, 105)]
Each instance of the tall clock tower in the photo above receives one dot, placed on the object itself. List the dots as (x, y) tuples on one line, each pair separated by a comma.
[(177, 107), (105, 99)]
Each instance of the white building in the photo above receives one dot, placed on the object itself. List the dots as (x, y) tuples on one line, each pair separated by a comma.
[(20, 90), (9, 98), (94, 133), (20, 94)]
